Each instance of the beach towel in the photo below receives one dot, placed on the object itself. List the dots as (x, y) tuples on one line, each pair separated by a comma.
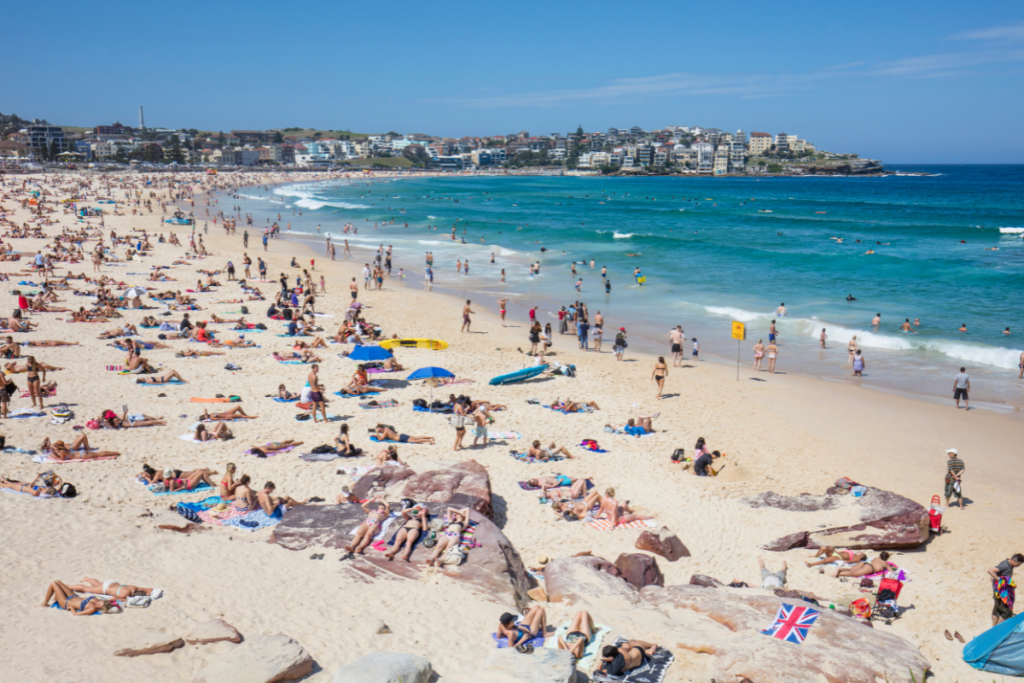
[(606, 524), (248, 451), (369, 393), (210, 400), (374, 438), (278, 399), (1005, 591), (591, 446), (792, 623), (591, 655), (390, 403), (290, 362), (255, 520), (202, 487), (192, 439), (502, 642), (45, 458), (319, 457), (652, 672), (383, 528), (21, 413), (438, 411), (115, 368), (504, 435), (523, 457), (893, 572)]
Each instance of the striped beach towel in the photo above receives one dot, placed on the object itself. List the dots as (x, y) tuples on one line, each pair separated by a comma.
[(606, 524)]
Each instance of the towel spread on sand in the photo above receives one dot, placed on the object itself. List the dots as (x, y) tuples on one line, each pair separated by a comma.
[(606, 524), (368, 393), (652, 672), (390, 403), (382, 532), (590, 654), (45, 458), (248, 451), (504, 435), (523, 457), (202, 487), (284, 400)]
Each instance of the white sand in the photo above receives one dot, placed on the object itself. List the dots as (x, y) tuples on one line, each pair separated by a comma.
[(789, 434)]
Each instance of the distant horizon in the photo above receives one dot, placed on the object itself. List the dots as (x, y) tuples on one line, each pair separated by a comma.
[(919, 85)]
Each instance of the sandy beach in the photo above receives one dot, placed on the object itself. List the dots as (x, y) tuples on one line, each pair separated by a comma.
[(789, 434)]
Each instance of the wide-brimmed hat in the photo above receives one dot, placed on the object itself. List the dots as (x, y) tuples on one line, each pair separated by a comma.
[(542, 560)]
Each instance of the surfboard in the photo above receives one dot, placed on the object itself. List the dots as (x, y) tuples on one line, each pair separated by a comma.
[(435, 344), (518, 375)]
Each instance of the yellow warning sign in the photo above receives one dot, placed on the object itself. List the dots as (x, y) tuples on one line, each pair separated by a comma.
[(739, 330)]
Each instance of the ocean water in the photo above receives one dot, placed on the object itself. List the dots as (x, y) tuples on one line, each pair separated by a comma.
[(948, 249)]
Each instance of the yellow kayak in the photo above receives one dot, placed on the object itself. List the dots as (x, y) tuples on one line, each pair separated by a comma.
[(435, 344)]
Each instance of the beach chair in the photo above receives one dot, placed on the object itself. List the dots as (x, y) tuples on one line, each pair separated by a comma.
[(885, 607)]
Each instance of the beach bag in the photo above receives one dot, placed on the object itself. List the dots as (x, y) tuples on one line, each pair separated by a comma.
[(419, 402), (260, 326), (437, 524), (569, 370), (454, 556), (678, 455), (11, 387), (845, 483), (324, 449), (430, 541), (93, 424), (245, 310), (68, 491), (457, 421)]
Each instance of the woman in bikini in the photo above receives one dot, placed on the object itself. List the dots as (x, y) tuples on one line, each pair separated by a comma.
[(829, 555), (218, 431), (65, 598), (851, 349), (245, 499), (455, 524), (581, 630), (343, 445), (414, 517), (162, 379), (34, 384), (283, 393), (616, 512), (533, 625), (773, 353), (758, 355), (571, 511), (616, 661), (236, 413), (273, 447), (385, 433), (58, 450), (577, 487), (389, 456), (227, 486), (48, 487), (370, 527), (114, 589), (659, 374), (176, 481)]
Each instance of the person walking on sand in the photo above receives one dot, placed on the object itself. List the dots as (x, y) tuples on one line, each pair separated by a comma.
[(772, 333), (858, 364), (676, 337), (773, 353), (962, 388), (502, 303), (659, 374), (851, 349), (354, 289), (954, 477), (758, 355), (620, 343), (1003, 592), (466, 321)]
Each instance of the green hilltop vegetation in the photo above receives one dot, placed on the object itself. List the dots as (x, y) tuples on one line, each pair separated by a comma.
[(323, 134)]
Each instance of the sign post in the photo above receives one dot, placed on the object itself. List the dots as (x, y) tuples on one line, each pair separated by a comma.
[(739, 333)]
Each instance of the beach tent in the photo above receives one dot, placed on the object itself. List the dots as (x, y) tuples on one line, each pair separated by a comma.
[(999, 650)]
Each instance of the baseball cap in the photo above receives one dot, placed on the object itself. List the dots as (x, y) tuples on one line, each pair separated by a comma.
[(622, 329), (952, 450)]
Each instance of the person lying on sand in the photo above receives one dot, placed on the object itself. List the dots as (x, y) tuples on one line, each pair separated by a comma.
[(271, 503), (577, 486), (306, 356), (317, 343), (162, 379), (616, 512), (616, 661), (218, 431), (110, 420), (643, 424), (155, 476), (234, 343), (50, 342), (571, 511), (830, 555), (352, 390), (192, 353), (58, 450), (234, 414), (14, 368), (414, 522), (568, 406), (581, 630), (114, 589), (370, 527), (176, 481), (534, 624), (126, 331), (879, 564), (273, 447), (285, 394), (386, 433), (66, 599), (45, 485), (217, 319), (544, 454), (455, 523)]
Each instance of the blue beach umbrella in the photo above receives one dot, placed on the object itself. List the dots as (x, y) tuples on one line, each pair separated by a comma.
[(369, 353), (427, 373)]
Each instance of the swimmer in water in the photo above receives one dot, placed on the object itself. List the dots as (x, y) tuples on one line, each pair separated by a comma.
[(1006, 331), (963, 327), (851, 297), (917, 321), (877, 320), (905, 327)]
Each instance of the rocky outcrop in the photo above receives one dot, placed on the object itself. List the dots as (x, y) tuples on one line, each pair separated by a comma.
[(724, 624), (151, 643), (260, 659), (458, 483), (213, 631), (664, 543), (494, 570), (587, 580), (385, 667), (639, 570), (543, 666), (878, 520)]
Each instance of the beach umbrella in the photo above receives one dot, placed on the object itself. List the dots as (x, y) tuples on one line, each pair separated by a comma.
[(431, 374), (133, 292), (369, 353)]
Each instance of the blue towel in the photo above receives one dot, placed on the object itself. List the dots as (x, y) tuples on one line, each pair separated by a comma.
[(255, 520), (371, 393), (147, 384), (284, 400), (503, 642), (203, 487)]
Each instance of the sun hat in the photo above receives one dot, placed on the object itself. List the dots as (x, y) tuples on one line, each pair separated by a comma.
[(542, 560), (952, 450)]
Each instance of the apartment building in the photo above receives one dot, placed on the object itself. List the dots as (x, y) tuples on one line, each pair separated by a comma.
[(760, 143), (721, 161), (42, 136)]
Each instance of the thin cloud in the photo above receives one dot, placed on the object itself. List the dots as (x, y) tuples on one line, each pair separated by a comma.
[(1005, 33), (944, 65)]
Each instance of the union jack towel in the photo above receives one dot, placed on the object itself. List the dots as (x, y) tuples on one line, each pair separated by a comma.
[(792, 623)]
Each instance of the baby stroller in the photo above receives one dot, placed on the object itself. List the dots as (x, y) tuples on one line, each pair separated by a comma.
[(885, 601)]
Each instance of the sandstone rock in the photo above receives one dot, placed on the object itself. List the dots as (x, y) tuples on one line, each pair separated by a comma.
[(584, 579), (260, 659), (639, 570), (459, 483), (725, 624), (879, 520), (538, 594), (543, 666), (494, 570), (663, 543), (386, 667), (705, 581), (380, 628), (151, 643), (213, 631)]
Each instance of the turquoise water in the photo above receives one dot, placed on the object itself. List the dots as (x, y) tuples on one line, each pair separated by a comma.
[(715, 250)]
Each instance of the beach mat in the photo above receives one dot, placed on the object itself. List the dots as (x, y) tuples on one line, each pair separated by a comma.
[(210, 400), (43, 458), (590, 656), (606, 524), (652, 672), (523, 457)]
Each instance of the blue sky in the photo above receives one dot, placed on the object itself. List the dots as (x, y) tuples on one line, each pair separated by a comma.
[(900, 81)]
